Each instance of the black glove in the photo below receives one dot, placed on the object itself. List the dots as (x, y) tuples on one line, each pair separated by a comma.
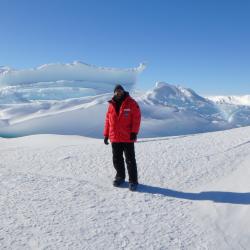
[(106, 140), (133, 136)]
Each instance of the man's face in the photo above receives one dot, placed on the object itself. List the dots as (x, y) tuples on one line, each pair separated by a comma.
[(119, 93)]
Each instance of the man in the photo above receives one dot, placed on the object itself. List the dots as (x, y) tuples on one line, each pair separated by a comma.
[(122, 125)]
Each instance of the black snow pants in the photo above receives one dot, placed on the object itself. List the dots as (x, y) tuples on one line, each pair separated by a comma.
[(118, 161)]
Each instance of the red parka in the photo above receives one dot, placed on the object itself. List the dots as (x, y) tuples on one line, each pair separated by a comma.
[(118, 127)]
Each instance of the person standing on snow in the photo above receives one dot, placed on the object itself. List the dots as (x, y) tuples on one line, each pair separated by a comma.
[(122, 125)]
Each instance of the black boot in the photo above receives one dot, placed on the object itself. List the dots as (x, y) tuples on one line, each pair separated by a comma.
[(118, 182), (132, 186)]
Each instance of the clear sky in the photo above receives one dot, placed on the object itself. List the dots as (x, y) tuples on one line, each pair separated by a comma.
[(201, 44)]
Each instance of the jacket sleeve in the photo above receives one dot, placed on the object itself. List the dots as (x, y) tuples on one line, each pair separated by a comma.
[(136, 117), (106, 125)]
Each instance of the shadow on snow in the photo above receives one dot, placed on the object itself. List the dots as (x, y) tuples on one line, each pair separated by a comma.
[(215, 196)]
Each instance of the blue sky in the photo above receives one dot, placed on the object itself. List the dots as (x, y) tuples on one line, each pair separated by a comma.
[(204, 45)]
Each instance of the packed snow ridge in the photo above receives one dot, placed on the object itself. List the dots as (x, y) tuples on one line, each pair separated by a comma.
[(72, 99)]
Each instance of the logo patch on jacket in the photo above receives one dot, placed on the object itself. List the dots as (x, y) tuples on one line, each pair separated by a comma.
[(126, 112)]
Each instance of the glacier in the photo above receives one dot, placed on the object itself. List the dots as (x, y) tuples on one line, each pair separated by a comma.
[(62, 81), (72, 99)]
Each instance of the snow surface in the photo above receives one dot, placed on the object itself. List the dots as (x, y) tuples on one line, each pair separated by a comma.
[(56, 193)]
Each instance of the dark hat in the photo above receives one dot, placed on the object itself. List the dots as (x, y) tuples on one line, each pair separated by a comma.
[(118, 86)]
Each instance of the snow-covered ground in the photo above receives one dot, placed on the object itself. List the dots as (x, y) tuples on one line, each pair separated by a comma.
[(56, 193)]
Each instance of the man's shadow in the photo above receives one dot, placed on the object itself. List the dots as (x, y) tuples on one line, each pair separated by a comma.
[(215, 196)]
